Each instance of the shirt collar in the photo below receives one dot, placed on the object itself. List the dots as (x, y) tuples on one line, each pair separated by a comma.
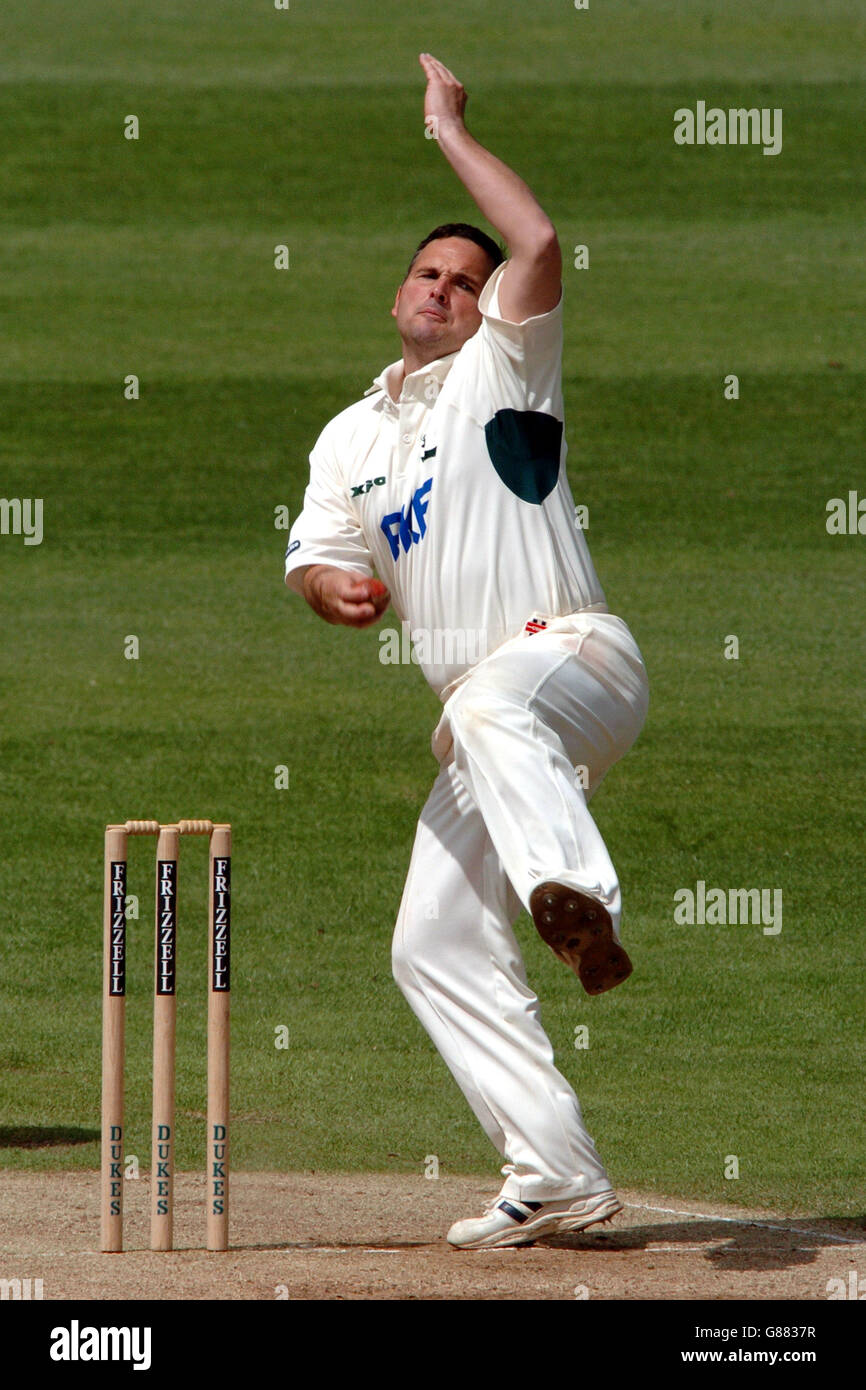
[(416, 384)]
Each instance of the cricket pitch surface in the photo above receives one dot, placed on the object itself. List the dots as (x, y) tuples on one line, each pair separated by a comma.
[(382, 1236)]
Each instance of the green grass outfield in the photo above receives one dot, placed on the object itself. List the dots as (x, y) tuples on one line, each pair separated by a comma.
[(707, 518)]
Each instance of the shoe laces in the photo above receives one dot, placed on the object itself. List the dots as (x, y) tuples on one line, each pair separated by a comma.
[(492, 1204)]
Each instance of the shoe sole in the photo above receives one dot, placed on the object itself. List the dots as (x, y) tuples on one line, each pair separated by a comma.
[(606, 1212), (553, 1225), (578, 930)]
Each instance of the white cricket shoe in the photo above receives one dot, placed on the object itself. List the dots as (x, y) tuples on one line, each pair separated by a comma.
[(507, 1221)]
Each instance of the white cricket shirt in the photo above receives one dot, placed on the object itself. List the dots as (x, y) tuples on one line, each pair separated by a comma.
[(456, 494)]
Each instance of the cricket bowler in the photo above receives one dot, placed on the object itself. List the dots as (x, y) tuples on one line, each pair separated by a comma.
[(468, 529)]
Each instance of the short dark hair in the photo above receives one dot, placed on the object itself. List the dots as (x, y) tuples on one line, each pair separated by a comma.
[(469, 233)]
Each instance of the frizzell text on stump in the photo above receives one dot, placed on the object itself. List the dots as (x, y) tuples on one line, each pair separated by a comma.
[(117, 977), (167, 891), (220, 965)]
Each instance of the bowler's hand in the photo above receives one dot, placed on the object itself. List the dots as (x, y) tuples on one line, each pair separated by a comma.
[(339, 596), (445, 98)]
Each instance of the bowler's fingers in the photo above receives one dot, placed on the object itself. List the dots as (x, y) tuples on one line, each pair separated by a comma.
[(445, 97), (434, 68), (361, 601)]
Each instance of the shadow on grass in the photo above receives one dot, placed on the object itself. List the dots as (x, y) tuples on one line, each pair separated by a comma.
[(44, 1136)]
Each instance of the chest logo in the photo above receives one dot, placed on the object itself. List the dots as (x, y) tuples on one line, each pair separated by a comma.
[(398, 527)]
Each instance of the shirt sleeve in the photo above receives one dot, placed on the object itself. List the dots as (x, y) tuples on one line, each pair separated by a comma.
[(328, 531), (522, 362)]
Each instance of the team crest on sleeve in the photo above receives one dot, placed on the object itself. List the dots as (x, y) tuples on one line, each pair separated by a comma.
[(399, 527)]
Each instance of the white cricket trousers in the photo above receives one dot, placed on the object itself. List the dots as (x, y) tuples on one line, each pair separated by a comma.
[(545, 715)]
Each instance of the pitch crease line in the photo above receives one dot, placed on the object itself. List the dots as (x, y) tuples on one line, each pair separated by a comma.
[(747, 1221)]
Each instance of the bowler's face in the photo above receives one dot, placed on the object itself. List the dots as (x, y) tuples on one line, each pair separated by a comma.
[(437, 305)]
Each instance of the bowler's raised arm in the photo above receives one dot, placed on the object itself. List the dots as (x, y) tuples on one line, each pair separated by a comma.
[(532, 283)]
